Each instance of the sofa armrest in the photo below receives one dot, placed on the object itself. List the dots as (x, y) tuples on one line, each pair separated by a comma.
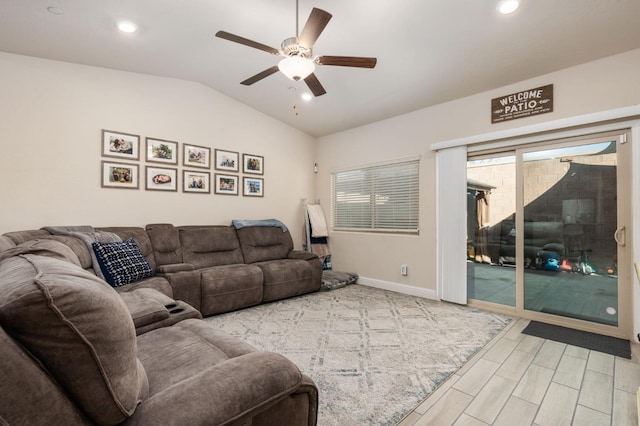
[(233, 389), (304, 255), (185, 285), (174, 267), (146, 306)]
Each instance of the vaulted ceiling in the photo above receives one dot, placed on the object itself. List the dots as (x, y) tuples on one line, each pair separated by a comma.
[(428, 51)]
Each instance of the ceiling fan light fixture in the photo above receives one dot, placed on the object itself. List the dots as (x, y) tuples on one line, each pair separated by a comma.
[(296, 67)]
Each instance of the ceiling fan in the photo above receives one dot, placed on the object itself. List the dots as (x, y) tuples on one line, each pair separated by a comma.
[(299, 63)]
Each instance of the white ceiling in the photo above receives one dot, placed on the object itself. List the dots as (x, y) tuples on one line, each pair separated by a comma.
[(429, 51)]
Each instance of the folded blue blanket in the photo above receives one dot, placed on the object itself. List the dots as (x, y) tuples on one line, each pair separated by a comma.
[(239, 223)]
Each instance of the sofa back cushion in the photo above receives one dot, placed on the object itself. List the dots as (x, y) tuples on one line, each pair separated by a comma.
[(44, 247), (6, 243), (29, 395), (261, 243), (208, 246), (21, 236), (78, 247), (140, 236), (77, 326), (165, 242)]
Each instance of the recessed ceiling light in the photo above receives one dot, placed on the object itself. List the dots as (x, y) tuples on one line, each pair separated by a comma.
[(127, 27), (306, 96), (54, 10), (508, 6)]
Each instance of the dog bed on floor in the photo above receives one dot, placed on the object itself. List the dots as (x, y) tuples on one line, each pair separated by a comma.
[(335, 279)]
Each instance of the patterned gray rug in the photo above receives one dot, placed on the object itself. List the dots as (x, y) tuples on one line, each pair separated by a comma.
[(374, 354)]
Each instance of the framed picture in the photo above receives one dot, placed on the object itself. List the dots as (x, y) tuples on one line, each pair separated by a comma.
[(195, 181), (226, 184), (161, 151), (120, 145), (161, 179), (253, 187), (119, 175), (227, 160), (196, 156), (253, 164)]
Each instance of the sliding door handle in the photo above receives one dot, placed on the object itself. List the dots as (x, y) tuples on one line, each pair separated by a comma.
[(620, 236)]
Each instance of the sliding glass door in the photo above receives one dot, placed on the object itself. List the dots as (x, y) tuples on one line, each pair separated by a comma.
[(491, 235), (546, 232), (570, 218)]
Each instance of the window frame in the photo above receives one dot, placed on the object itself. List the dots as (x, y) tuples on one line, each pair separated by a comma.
[(400, 216)]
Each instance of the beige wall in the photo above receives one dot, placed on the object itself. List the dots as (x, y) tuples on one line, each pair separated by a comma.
[(597, 86), (51, 116), (502, 200)]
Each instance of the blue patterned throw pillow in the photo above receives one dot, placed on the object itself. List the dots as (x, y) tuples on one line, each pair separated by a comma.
[(122, 262)]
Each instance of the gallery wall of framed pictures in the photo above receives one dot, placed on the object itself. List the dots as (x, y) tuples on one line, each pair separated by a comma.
[(121, 167)]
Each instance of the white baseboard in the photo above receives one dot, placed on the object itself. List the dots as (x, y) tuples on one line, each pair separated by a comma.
[(399, 288)]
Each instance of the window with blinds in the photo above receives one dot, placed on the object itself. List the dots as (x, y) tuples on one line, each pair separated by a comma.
[(381, 198)]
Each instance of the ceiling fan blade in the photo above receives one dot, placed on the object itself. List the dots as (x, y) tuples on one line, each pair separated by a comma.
[(237, 39), (314, 26), (260, 76), (314, 85), (347, 61)]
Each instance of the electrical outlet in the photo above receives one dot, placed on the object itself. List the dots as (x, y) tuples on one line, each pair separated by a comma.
[(403, 269)]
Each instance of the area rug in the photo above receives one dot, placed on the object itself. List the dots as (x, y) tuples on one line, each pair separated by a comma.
[(583, 339), (374, 354)]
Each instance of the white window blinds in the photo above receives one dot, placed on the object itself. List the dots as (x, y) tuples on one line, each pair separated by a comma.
[(377, 198)]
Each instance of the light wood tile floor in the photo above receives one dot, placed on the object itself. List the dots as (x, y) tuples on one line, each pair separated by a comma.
[(518, 379)]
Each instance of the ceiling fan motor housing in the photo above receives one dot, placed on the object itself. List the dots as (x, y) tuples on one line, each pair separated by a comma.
[(291, 47)]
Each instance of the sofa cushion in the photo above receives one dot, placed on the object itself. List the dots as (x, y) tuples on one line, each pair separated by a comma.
[(6, 243), (230, 287), (202, 376), (210, 246), (77, 326), (147, 306), (165, 242), (29, 395), (177, 353), (156, 282), (22, 236), (139, 235), (264, 243), (122, 262), (44, 247), (78, 247), (286, 278)]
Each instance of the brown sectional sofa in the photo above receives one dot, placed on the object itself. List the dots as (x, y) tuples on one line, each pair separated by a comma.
[(75, 351), (213, 268)]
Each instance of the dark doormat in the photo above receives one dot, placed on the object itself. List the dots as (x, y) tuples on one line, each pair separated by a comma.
[(583, 339)]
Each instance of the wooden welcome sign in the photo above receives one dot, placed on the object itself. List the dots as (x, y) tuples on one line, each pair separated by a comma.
[(522, 104)]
